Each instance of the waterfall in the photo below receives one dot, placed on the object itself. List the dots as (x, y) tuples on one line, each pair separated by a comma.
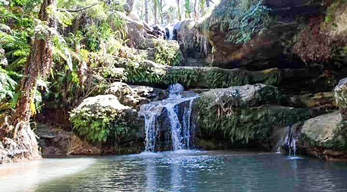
[(290, 143), (177, 109)]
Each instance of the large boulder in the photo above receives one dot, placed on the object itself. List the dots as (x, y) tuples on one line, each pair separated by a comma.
[(322, 137), (322, 129), (104, 119)]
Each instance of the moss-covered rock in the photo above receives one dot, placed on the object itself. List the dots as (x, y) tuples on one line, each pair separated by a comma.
[(103, 119), (322, 137), (321, 131), (257, 34), (211, 77), (242, 114)]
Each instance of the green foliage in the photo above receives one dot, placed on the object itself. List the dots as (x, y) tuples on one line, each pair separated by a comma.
[(16, 31), (104, 124), (7, 85), (167, 53)]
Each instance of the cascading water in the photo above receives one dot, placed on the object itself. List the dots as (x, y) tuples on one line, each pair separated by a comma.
[(177, 108), (290, 142)]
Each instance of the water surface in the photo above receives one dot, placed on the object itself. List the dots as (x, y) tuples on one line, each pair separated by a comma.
[(201, 171)]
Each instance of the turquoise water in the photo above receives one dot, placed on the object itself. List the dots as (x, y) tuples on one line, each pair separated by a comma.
[(195, 171)]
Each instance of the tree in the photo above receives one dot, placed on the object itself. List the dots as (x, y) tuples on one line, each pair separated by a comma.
[(195, 10), (37, 66), (15, 133), (179, 10), (155, 11), (146, 11), (187, 9)]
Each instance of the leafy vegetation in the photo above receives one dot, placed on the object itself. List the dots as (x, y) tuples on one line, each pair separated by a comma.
[(167, 53), (101, 125)]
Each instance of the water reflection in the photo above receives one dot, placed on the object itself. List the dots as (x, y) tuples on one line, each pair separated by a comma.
[(201, 171), (25, 176)]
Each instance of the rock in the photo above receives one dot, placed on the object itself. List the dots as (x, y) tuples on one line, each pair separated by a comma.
[(80, 147), (102, 101), (321, 137), (247, 95), (193, 44), (214, 77), (341, 97), (247, 115), (150, 92), (125, 94), (322, 100), (253, 45), (322, 129), (103, 119), (53, 141)]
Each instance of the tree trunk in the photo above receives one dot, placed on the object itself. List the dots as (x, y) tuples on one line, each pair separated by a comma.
[(161, 12), (155, 3), (195, 10), (179, 10), (37, 66), (146, 11)]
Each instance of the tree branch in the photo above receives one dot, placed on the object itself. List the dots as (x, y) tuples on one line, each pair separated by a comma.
[(79, 9)]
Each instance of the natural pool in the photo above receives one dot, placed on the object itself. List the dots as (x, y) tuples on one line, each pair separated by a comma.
[(177, 171)]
